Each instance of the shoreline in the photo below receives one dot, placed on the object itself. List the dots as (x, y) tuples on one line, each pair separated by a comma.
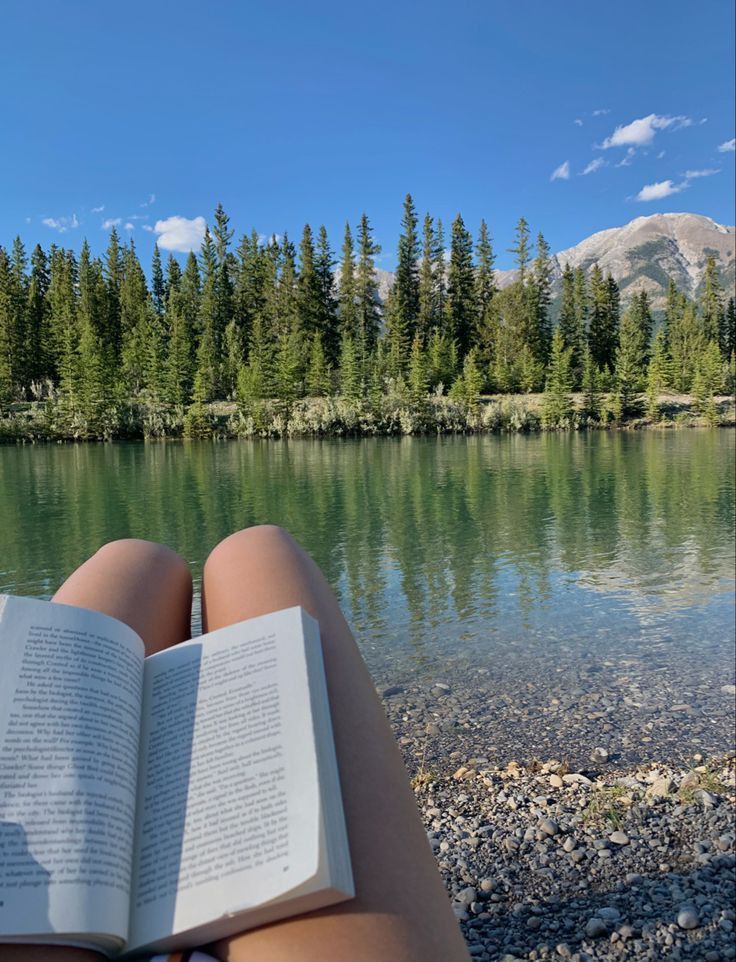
[(541, 863), (336, 417)]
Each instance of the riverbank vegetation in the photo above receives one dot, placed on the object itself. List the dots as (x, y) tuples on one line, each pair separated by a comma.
[(264, 340)]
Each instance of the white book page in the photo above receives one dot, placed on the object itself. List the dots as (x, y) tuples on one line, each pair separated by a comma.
[(70, 701), (228, 807)]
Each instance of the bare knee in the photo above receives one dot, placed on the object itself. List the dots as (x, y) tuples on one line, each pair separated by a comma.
[(143, 553), (259, 538)]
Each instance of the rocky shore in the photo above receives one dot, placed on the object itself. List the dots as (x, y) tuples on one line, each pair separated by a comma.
[(589, 855), (546, 863)]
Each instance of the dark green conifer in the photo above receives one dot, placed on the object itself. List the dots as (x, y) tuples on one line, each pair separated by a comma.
[(460, 304)]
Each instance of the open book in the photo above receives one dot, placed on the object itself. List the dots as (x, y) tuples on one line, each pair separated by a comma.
[(163, 802)]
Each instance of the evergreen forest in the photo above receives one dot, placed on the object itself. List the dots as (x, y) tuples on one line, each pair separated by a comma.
[(279, 338)]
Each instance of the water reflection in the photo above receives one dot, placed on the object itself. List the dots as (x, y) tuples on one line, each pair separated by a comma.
[(440, 549)]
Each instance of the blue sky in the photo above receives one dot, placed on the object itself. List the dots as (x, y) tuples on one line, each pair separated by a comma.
[(148, 114)]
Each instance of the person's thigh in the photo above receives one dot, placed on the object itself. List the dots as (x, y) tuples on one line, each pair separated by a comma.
[(149, 587), (401, 910)]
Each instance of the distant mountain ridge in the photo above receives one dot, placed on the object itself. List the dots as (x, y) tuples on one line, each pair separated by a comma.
[(642, 255)]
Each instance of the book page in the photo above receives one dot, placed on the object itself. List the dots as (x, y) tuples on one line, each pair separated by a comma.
[(70, 697), (228, 808)]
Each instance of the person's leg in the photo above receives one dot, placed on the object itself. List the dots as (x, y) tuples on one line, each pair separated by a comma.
[(146, 585), (149, 587), (401, 911)]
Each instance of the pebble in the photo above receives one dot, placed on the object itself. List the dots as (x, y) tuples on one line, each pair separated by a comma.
[(619, 838), (595, 928), (549, 827), (688, 919)]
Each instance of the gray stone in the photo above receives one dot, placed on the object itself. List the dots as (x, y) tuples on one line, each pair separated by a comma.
[(661, 788), (618, 838), (569, 844), (549, 827), (687, 918), (596, 928), (609, 913)]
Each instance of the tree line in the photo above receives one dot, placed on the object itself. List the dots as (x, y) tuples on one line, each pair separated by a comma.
[(266, 321)]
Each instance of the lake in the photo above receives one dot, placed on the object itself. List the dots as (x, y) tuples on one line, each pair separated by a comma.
[(571, 590)]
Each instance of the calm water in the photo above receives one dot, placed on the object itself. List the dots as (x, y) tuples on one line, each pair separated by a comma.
[(514, 558)]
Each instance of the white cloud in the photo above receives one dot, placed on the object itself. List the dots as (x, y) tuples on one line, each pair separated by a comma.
[(180, 233), (148, 228), (626, 161), (111, 222), (661, 154), (706, 172), (151, 200), (601, 112), (28, 220), (703, 120), (640, 133), (727, 146), (98, 210), (660, 190), (562, 172), (62, 224), (265, 240), (578, 122), (128, 226), (593, 166)]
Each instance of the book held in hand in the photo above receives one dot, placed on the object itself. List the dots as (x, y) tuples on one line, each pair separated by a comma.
[(152, 804)]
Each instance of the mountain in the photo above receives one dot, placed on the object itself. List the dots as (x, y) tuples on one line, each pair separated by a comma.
[(643, 254)]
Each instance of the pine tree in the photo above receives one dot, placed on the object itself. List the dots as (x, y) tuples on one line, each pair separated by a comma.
[(134, 320), (460, 305), (686, 344), (603, 329), (711, 302), (629, 358), (590, 386), (522, 249), (708, 380), (180, 361), (7, 333), (197, 421), (557, 403), (327, 323), (417, 374), (233, 356), (406, 280), (308, 286), (318, 380), (582, 305), (158, 285), (288, 369), (40, 348), (368, 311), (571, 330), (173, 277), (658, 375), (485, 288), (541, 291), (22, 361), (472, 381), (114, 272), (673, 311), (427, 317), (440, 275), (347, 290), (208, 351), (349, 374), (442, 360), (728, 335), (64, 335)]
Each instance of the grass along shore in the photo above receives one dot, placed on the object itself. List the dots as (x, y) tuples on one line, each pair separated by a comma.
[(52, 420)]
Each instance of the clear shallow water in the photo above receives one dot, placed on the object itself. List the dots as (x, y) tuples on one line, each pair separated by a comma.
[(521, 565)]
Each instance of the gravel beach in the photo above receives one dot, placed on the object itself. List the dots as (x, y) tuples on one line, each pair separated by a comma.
[(586, 855)]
